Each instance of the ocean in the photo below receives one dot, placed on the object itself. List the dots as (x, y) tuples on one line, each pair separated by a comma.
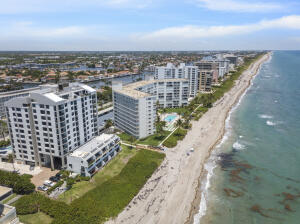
[(253, 175)]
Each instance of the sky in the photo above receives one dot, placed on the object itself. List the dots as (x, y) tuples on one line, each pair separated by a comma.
[(137, 25)]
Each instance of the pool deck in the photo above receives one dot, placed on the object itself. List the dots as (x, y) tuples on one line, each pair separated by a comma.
[(170, 126)]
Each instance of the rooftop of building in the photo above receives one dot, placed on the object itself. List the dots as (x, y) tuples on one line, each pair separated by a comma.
[(88, 148), (51, 94), (4, 190), (131, 89), (17, 92), (55, 92)]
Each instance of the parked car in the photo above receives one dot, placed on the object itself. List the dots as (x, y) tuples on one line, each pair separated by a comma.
[(54, 179), (43, 188), (49, 183), (58, 175)]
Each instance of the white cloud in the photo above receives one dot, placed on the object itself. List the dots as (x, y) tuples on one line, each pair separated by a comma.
[(38, 6), (190, 31), (238, 6), (27, 29)]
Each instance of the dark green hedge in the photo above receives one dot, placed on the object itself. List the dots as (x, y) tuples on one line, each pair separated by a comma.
[(58, 184), (20, 184)]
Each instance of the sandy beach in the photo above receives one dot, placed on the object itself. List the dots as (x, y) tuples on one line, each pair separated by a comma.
[(172, 194)]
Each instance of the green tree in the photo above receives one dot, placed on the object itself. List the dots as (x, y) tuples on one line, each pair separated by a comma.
[(57, 78), (23, 186), (108, 124), (71, 76), (179, 123)]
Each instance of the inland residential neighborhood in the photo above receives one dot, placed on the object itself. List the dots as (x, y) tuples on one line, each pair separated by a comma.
[(149, 112)]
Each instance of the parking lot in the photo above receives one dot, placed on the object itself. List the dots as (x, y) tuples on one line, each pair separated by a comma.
[(45, 174)]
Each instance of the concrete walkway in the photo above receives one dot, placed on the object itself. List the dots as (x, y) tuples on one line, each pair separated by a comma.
[(21, 168)]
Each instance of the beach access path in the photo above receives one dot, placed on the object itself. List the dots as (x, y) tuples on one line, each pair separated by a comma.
[(172, 194)]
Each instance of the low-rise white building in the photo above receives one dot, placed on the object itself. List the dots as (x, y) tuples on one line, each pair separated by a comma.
[(92, 156)]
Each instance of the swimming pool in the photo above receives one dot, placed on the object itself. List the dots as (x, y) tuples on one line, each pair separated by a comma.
[(5, 150), (170, 118)]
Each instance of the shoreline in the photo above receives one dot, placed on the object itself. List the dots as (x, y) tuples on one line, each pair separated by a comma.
[(173, 193), (203, 176)]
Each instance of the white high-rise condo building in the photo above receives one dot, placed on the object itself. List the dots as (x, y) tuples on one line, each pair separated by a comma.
[(181, 72), (135, 104), (52, 122)]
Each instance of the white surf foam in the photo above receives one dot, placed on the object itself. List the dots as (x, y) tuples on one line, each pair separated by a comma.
[(270, 123), (238, 146), (211, 164), (265, 116)]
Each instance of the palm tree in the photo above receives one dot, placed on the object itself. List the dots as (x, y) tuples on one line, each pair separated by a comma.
[(108, 124), (179, 123), (132, 140), (70, 76), (10, 159), (3, 129)]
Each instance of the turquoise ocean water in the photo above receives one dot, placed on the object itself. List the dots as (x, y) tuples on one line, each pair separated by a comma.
[(254, 174)]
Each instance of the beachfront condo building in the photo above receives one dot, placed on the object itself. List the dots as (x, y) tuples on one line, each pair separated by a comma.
[(205, 65), (218, 66), (49, 123), (205, 80), (135, 104), (93, 155), (170, 71)]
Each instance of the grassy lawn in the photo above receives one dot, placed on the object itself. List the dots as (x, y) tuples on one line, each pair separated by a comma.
[(179, 110), (112, 169), (110, 198), (9, 198), (178, 135), (126, 137), (155, 139), (37, 218), (107, 199)]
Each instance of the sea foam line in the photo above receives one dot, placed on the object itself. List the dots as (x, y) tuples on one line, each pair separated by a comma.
[(211, 164)]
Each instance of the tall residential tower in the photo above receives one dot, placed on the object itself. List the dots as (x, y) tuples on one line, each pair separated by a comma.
[(50, 123)]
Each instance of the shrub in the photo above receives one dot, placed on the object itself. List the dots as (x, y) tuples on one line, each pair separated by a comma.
[(4, 143), (64, 173), (70, 182), (171, 142), (23, 186), (28, 204), (19, 184), (179, 134), (84, 178), (58, 184)]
